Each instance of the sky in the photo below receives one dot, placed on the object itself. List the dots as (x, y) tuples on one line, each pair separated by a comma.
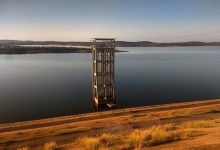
[(128, 20)]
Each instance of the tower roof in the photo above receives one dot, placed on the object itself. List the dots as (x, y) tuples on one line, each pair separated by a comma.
[(103, 38)]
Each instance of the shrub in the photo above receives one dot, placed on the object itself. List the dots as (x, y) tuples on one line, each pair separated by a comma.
[(50, 146), (217, 120), (159, 135), (90, 143), (153, 136), (136, 139), (169, 127), (196, 124), (108, 139), (23, 148), (102, 142)]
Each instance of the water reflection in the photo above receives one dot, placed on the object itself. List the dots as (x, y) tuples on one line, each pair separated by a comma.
[(49, 85)]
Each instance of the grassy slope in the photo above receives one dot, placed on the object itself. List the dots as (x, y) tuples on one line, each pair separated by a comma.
[(123, 123)]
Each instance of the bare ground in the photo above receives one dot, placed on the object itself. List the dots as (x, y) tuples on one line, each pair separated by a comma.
[(65, 130)]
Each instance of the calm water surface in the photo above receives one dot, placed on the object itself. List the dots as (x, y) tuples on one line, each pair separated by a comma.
[(35, 86)]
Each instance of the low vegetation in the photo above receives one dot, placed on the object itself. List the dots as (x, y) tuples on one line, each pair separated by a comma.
[(196, 124), (46, 146), (135, 140), (23, 148), (50, 146), (138, 139), (137, 128), (104, 141)]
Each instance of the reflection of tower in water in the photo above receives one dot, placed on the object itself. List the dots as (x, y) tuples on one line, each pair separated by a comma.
[(103, 73)]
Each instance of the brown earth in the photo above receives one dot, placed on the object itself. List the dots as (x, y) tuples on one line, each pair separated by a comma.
[(65, 130)]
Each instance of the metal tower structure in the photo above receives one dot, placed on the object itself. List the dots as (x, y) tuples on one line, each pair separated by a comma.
[(103, 73)]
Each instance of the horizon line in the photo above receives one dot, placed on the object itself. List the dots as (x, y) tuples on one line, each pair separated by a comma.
[(116, 40)]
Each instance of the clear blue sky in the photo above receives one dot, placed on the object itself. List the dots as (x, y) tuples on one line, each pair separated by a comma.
[(133, 20)]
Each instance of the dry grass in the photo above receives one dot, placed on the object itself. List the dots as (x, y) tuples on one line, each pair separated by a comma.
[(213, 111), (135, 140), (154, 136), (23, 148), (89, 143), (159, 135), (217, 120), (168, 127), (196, 124), (103, 142), (50, 146), (108, 139), (122, 121), (201, 110), (47, 146), (189, 111), (138, 139)]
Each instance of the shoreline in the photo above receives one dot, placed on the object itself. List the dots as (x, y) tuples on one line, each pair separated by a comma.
[(11, 50), (17, 50), (118, 43), (64, 130)]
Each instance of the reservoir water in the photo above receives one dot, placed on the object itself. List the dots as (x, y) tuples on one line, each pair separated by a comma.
[(35, 86)]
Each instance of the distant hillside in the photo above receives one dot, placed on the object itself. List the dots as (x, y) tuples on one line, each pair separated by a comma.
[(11, 49), (118, 43), (17, 42), (154, 44)]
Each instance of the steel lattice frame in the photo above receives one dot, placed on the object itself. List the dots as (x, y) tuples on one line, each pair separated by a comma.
[(103, 72)]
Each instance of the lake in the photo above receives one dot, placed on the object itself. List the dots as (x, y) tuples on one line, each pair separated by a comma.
[(35, 86)]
